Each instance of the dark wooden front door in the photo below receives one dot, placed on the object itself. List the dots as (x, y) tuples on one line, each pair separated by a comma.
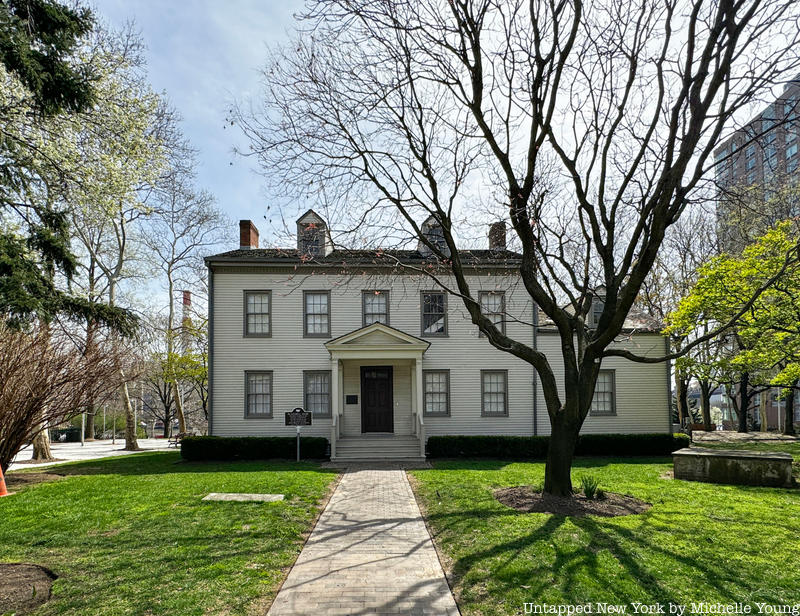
[(376, 399)]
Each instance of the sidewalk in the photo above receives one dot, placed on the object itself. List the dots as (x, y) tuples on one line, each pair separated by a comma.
[(369, 553), (91, 450)]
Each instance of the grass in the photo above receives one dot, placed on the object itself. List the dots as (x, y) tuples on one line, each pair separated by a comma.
[(699, 542), (130, 535)]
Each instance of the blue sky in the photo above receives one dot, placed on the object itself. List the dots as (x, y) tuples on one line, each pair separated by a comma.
[(204, 54)]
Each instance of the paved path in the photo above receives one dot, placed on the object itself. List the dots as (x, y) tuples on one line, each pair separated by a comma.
[(91, 450), (369, 553)]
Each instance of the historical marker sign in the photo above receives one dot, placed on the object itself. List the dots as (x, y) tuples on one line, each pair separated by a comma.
[(298, 417)]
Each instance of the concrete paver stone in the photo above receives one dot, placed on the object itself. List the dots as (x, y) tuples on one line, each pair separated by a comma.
[(370, 553)]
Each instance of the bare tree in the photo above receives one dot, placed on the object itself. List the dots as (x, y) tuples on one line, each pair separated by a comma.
[(588, 126), (47, 379), (688, 244), (185, 223)]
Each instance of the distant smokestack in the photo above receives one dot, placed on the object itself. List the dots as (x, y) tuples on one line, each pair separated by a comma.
[(497, 236), (186, 320), (248, 235)]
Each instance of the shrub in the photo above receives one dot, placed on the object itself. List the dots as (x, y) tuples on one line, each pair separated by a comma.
[(535, 447), (198, 448), (590, 486)]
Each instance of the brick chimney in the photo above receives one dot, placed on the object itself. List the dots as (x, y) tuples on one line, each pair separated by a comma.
[(248, 235), (497, 236)]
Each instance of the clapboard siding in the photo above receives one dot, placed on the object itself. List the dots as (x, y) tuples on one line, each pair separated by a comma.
[(287, 354), (641, 389)]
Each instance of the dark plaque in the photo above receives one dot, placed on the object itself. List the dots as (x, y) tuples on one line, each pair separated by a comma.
[(351, 399), (298, 417)]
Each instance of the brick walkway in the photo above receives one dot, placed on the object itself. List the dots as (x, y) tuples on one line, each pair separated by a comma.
[(370, 553)]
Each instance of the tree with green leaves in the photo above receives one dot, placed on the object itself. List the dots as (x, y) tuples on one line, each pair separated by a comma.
[(44, 80), (761, 345)]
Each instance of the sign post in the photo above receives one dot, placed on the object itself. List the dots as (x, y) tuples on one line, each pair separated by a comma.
[(298, 417)]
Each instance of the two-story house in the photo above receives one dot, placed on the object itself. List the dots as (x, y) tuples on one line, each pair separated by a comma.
[(383, 357)]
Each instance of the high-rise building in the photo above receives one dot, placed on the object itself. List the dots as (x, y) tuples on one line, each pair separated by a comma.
[(756, 170)]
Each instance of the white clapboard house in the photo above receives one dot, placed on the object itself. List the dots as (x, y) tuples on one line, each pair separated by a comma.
[(383, 358)]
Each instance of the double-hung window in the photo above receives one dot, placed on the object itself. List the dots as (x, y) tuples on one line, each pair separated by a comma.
[(317, 314), (494, 393), (603, 402), (258, 394), (375, 307), (317, 387), (436, 392), (434, 313), (493, 306), (257, 313)]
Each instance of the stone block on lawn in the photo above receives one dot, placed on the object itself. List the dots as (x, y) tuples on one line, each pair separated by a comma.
[(243, 498), (739, 467)]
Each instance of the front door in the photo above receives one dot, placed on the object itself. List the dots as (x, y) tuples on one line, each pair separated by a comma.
[(376, 399)]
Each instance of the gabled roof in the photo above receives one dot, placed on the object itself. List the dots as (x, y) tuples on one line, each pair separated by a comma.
[(378, 335), (634, 322), (369, 258), (310, 216)]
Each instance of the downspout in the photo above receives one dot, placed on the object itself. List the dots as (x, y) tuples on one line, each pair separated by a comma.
[(535, 327), (210, 350), (669, 384)]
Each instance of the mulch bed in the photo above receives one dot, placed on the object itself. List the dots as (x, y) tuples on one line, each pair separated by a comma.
[(17, 480), (23, 586), (32, 461), (528, 500)]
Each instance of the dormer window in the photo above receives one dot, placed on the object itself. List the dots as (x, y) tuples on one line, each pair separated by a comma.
[(432, 231), (313, 239), (598, 305)]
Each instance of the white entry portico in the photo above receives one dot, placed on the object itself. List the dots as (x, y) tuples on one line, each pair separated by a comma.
[(376, 390)]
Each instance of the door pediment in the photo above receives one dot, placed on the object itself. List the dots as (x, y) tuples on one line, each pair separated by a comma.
[(377, 336)]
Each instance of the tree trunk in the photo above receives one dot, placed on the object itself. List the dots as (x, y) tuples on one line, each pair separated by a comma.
[(41, 446), (762, 411), (560, 452), (179, 407), (172, 352), (682, 397), (744, 400), (88, 426), (788, 417), (131, 444), (705, 404)]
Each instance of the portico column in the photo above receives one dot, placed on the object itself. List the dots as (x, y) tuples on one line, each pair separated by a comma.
[(336, 402), (414, 397), (420, 384)]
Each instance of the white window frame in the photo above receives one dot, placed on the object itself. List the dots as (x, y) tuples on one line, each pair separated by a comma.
[(376, 293), (246, 325), (307, 374), (426, 393), (248, 393), (594, 412), (484, 393)]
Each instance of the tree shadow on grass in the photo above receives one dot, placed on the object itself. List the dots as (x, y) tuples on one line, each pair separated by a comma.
[(162, 463), (481, 464), (540, 553)]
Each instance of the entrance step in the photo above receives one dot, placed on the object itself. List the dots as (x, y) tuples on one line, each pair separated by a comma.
[(370, 448)]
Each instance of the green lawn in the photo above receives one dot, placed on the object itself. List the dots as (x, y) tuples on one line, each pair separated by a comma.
[(130, 535), (699, 542)]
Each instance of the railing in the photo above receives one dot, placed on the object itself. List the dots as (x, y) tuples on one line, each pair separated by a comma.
[(420, 430), (334, 433)]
